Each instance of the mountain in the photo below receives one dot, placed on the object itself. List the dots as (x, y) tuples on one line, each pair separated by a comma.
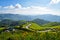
[(47, 17), (15, 17), (40, 21)]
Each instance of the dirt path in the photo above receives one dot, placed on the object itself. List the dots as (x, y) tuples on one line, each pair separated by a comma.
[(27, 27), (44, 31)]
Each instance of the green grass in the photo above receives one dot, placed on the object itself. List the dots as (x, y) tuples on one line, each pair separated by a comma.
[(2, 28), (24, 35), (35, 26)]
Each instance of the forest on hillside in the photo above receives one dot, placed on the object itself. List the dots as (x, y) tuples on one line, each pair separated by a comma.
[(29, 30)]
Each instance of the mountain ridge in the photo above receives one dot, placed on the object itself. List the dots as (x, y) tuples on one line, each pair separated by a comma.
[(47, 17)]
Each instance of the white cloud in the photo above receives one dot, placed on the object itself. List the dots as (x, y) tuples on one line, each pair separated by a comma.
[(9, 7), (32, 10), (18, 6), (54, 1)]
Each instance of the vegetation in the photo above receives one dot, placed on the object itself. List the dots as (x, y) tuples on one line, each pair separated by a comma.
[(29, 30), (40, 21), (23, 35), (51, 24)]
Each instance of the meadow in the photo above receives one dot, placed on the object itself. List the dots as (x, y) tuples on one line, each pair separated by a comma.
[(30, 31)]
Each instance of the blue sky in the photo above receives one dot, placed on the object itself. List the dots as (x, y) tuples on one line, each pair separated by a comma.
[(24, 2), (30, 7)]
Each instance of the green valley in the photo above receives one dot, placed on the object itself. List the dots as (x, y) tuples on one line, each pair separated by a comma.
[(29, 30)]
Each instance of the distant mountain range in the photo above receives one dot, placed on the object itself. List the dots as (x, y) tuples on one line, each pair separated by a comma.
[(47, 17)]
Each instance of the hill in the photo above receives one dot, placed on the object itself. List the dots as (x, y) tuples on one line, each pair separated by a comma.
[(52, 24), (47, 17), (15, 17), (32, 26), (40, 21), (8, 22)]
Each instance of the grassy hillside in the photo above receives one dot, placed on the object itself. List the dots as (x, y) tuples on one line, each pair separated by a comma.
[(22, 35), (36, 27), (28, 30), (51, 24), (33, 26)]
